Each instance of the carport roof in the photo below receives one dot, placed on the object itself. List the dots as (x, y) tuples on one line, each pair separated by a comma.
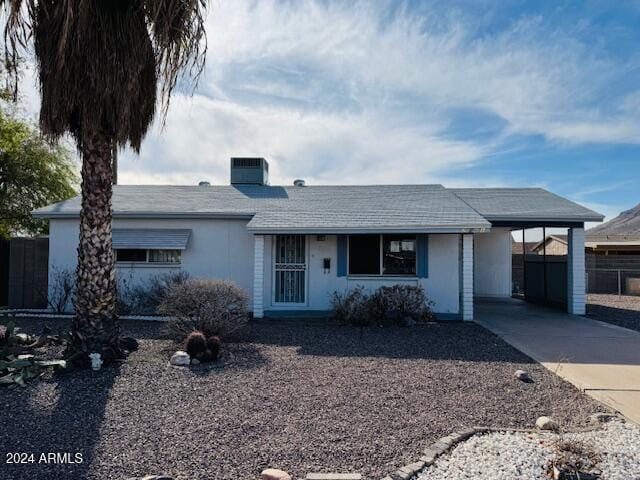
[(525, 205), (337, 209)]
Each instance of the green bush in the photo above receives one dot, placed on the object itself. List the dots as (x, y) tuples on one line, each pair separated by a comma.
[(394, 305)]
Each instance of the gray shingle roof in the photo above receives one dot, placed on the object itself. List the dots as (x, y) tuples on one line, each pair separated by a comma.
[(524, 204), (325, 209), (161, 238)]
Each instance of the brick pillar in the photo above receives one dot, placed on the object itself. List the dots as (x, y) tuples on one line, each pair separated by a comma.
[(466, 273), (576, 289), (258, 276)]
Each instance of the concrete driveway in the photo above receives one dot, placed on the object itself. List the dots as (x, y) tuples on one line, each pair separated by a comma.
[(601, 359)]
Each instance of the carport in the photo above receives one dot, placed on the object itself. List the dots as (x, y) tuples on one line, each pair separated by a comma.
[(555, 282)]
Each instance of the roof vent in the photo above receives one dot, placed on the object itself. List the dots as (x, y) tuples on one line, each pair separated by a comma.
[(249, 170), (204, 184), (298, 182)]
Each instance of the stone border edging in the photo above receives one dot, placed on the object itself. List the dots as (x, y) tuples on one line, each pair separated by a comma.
[(444, 444), (432, 452)]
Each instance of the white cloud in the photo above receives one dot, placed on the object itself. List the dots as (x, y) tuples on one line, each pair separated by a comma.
[(365, 92), (334, 91)]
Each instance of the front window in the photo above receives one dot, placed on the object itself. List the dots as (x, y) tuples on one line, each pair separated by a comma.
[(382, 255), (399, 255), (141, 255), (364, 255)]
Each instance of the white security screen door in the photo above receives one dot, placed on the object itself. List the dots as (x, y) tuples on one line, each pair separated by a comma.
[(290, 269)]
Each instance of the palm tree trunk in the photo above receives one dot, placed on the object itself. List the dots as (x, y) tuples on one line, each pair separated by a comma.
[(95, 326)]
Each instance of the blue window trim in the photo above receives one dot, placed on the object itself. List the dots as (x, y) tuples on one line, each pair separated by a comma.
[(342, 255), (423, 255)]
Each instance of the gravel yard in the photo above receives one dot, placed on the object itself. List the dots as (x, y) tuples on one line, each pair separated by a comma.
[(622, 311), (525, 456), (299, 397)]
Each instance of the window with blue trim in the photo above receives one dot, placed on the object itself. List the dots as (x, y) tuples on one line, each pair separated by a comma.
[(382, 255)]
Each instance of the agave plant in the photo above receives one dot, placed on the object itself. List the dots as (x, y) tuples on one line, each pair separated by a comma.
[(17, 363)]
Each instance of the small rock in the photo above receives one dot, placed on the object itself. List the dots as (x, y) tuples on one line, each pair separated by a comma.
[(180, 359), (22, 338), (195, 361), (523, 376), (274, 474), (546, 423)]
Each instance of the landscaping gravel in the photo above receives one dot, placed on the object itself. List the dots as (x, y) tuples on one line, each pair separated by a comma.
[(623, 311), (303, 397), (526, 456)]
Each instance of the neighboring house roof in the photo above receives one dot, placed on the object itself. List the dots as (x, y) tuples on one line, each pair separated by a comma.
[(160, 238), (516, 247), (623, 230), (524, 205), (558, 237), (331, 209)]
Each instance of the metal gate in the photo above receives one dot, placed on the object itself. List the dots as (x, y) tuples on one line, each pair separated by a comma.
[(290, 269), (545, 280)]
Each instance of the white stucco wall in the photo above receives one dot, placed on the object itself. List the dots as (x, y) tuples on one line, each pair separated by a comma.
[(220, 249), (442, 285), (224, 249), (492, 263)]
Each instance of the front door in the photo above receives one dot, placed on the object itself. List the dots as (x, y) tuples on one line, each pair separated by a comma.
[(290, 269)]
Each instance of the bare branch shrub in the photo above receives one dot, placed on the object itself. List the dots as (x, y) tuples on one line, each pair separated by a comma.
[(144, 298), (214, 307), (394, 305), (149, 296), (62, 288), (350, 307)]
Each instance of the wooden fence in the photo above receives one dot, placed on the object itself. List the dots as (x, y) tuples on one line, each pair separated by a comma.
[(28, 272), (4, 272)]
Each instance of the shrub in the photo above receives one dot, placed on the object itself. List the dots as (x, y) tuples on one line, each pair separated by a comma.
[(350, 307), (214, 307), (145, 298), (150, 295), (399, 303), (61, 289), (394, 305)]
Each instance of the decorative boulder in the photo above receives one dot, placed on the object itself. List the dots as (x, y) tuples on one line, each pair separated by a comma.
[(274, 474), (523, 376), (180, 359), (547, 423)]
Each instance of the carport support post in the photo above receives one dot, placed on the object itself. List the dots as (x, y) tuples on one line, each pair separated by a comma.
[(466, 297), (576, 272), (258, 276)]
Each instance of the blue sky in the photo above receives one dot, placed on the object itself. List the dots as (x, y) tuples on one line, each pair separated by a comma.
[(466, 93)]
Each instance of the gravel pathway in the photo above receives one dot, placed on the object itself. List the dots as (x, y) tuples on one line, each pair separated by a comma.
[(622, 311), (525, 456), (303, 398)]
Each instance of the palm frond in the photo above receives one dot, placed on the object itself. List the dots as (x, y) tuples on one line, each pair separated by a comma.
[(104, 65)]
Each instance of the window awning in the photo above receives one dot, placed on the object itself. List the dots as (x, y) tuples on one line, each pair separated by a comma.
[(160, 238)]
